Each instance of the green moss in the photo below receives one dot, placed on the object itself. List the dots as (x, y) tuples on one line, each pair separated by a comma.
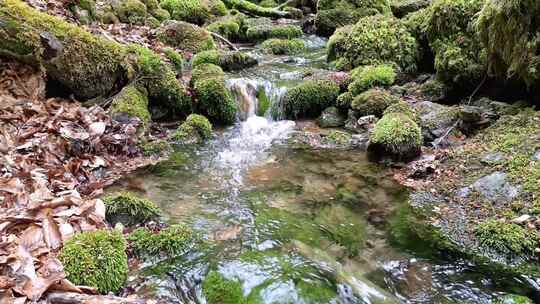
[(194, 11), (227, 28), (161, 14), (133, 102), (185, 36), (283, 46), (332, 14), (403, 107), (264, 102), (266, 31), (342, 227), (506, 238), (196, 128), (206, 70), (295, 13), (373, 102), (152, 22), (130, 209), (96, 259), (254, 9), (88, 66), (151, 5), (377, 40), (211, 56), (315, 292), (130, 11), (268, 3), (175, 58), (156, 147), (171, 241), (398, 135), (344, 101), (513, 299), (229, 61), (219, 290), (310, 98), (367, 77), (509, 30), (337, 43), (337, 137)]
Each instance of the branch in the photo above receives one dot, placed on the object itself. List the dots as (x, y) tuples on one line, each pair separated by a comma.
[(224, 40)]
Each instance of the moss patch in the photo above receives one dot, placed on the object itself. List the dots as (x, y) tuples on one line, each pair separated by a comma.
[(130, 11), (283, 46), (219, 290), (97, 259), (396, 135), (265, 31), (506, 238), (130, 209), (194, 11), (373, 102), (195, 129), (132, 102), (367, 77), (185, 36), (310, 98), (171, 241)]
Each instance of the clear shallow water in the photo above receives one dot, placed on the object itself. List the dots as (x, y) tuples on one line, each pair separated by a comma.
[(294, 225)]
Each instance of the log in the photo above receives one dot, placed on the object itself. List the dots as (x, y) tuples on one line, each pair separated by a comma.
[(255, 10)]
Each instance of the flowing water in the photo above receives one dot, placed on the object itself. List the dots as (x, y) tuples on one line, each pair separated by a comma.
[(294, 225)]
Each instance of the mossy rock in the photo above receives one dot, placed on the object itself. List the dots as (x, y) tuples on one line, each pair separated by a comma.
[(130, 209), (227, 27), (171, 241), (396, 136), (403, 107), (344, 101), (133, 102), (83, 10), (255, 10), (156, 147), (229, 61), (295, 13), (268, 3), (87, 65), (401, 8), (509, 31), (373, 102), (264, 31), (215, 101), (130, 11), (506, 238), (194, 11), (513, 299), (333, 14), (337, 45), (367, 77), (375, 40), (310, 98), (219, 290), (176, 59), (195, 129), (97, 259), (185, 36), (283, 46), (161, 14)]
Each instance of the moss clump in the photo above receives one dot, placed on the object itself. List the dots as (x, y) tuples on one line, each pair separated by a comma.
[(337, 46), (195, 129), (344, 101), (171, 241), (185, 36), (210, 57), (97, 259), (132, 101), (229, 61), (156, 147), (332, 14), (513, 299), (219, 290), (255, 10), (88, 66), (509, 31), (159, 80), (373, 102), (227, 28), (194, 11), (376, 40), (310, 98), (266, 31), (130, 209), (268, 3), (215, 101), (130, 11), (161, 14), (283, 46), (403, 108), (367, 77), (175, 58), (396, 135), (506, 238)]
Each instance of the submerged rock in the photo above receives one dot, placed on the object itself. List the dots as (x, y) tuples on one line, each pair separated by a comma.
[(331, 117)]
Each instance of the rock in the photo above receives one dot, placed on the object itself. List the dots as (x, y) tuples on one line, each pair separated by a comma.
[(309, 98), (401, 8), (495, 188), (521, 219), (496, 107), (367, 122), (536, 156), (463, 192), (330, 118), (185, 36), (435, 119), (228, 61), (493, 158)]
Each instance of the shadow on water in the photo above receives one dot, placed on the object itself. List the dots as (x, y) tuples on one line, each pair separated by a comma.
[(294, 225)]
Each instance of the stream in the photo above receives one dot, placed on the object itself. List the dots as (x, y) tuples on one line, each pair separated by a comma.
[(294, 225)]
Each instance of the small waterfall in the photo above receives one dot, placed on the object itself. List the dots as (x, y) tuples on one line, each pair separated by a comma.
[(256, 97)]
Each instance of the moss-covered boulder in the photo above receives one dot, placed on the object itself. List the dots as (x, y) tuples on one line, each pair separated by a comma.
[(219, 290), (331, 118), (509, 31), (226, 27), (373, 102), (130, 11), (265, 31), (367, 77), (175, 58), (507, 238), (195, 129), (171, 241), (397, 137), (332, 14), (309, 98), (214, 100), (375, 40), (130, 209), (84, 10), (229, 61), (400, 8), (459, 56), (283, 46), (185, 36), (194, 11), (157, 147), (97, 259), (253, 9), (132, 101)]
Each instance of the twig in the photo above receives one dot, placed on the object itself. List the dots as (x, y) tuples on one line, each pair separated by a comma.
[(224, 40)]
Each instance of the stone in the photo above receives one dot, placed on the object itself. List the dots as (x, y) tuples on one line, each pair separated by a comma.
[(493, 158), (330, 118), (495, 188), (536, 155)]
